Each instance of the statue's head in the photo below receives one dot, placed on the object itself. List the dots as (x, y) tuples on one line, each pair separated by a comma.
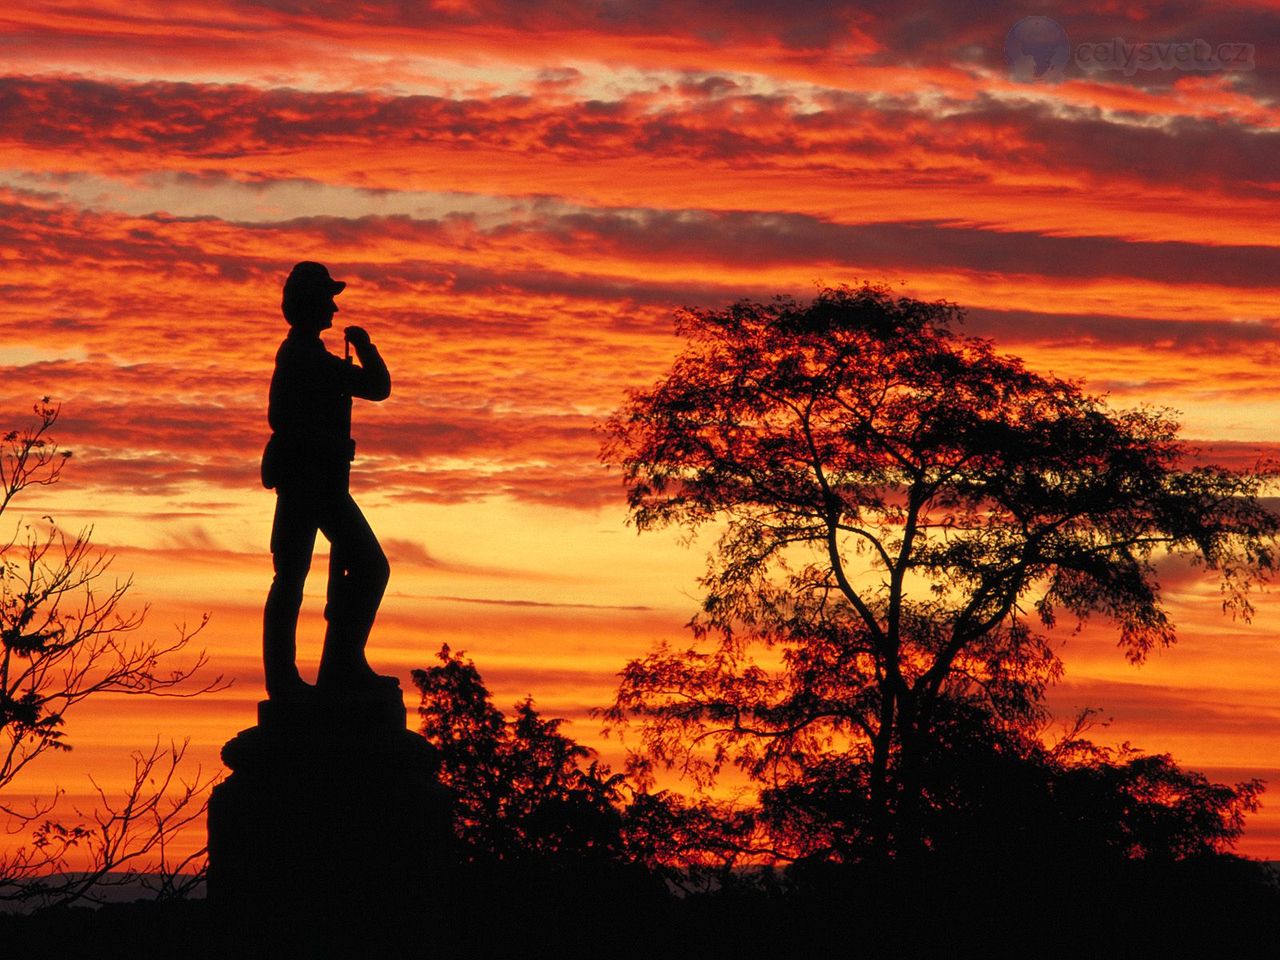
[(308, 302)]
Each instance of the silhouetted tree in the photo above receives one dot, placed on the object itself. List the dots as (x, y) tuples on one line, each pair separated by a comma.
[(522, 789), (999, 797), (64, 637), (698, 845), (545, 829), (898, 508)]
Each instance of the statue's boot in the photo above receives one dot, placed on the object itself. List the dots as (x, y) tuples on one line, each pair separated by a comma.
[(343, 665), (292, 688)]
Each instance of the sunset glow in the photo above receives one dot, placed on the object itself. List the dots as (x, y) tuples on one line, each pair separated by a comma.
[(520, 195)]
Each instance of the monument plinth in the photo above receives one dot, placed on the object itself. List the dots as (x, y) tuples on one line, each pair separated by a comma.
[(331, 827)]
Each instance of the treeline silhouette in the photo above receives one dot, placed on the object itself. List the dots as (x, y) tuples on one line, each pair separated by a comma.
[(1033, 851)]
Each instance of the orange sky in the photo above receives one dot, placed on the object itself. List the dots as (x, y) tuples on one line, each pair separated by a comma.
[(519, 194)]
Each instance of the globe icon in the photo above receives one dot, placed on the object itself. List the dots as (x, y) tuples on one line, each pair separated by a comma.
[(1037, 50)]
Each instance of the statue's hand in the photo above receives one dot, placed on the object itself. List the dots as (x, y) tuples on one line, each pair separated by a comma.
[(357, 337)]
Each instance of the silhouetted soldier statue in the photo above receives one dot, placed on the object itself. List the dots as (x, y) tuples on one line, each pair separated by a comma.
[(308, 462), (299, 861)]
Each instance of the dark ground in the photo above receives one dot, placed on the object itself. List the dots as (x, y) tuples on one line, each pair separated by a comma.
[(1222, 909)]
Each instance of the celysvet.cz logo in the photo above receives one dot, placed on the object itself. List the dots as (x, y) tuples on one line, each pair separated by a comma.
[(1038, 50)]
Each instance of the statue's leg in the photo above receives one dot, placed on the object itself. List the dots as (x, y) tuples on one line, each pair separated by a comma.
[(293, 537), (358, 573)]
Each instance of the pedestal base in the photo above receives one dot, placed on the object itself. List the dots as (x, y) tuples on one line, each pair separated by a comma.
[(331, 828)]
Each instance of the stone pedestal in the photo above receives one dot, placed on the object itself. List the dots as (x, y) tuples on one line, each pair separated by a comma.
[(331, 828)]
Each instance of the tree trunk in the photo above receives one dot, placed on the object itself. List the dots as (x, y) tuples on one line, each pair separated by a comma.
[(878, 788), (908, 830)]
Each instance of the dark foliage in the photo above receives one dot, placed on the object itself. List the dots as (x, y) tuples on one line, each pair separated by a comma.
[(533, 800), (1060, 852), (998, 799), (901, 511), (1019, 837), (541, 823), (522, 789)]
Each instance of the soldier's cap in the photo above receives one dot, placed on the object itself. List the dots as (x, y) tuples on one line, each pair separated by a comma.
[(309, 277)]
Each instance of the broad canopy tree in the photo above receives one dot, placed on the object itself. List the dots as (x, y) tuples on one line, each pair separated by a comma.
[(900, 512)]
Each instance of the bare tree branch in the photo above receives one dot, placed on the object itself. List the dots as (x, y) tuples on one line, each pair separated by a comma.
[(65, 637)]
